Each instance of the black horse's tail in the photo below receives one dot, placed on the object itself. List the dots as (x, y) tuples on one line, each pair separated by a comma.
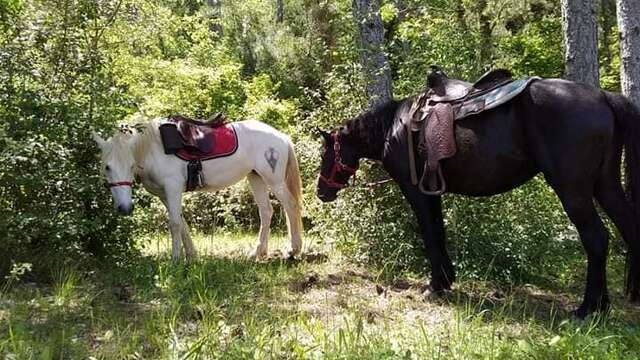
[(628, 118)]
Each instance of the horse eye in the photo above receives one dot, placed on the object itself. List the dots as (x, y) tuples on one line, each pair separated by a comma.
[(107, 168)]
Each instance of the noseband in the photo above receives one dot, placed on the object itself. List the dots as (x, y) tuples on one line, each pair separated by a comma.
[(119, 183), (338, 166)]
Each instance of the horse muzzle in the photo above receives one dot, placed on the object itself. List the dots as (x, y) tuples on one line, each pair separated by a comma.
[(327, 196), (125, 210)]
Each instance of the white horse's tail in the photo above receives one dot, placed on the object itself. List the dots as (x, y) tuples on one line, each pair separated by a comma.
[(294, 185)]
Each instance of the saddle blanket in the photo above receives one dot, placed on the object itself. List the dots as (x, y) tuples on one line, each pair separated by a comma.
[(225, 143)]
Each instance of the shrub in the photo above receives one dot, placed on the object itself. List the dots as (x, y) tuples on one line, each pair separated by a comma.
[(53, 208)]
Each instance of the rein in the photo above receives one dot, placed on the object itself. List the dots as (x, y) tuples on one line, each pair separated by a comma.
[(338, 166)]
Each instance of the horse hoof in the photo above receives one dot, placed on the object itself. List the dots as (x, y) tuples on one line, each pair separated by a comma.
[(583, 312), (258, 254), (293, 254), (429, 294), (579, 314)]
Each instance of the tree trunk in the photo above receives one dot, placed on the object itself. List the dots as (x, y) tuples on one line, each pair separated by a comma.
[(370, 39), (215, 13), (279, 11), (629, 25), (322, 15), (581, 41)]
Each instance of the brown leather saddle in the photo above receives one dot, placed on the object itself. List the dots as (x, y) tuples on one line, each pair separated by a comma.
[(446, 100)]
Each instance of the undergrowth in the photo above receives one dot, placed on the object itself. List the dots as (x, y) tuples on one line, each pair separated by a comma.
[(226, 306)]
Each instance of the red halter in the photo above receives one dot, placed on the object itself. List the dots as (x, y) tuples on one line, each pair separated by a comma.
[(119, 183), (338, 166)]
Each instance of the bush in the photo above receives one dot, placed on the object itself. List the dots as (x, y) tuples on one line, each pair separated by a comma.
[(53, 208)]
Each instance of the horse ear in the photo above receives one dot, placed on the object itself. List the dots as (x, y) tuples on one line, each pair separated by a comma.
[(325, 135), (99, 140), (316, 132), (126, 129)]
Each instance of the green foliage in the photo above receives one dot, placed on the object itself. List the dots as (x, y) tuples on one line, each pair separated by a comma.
[(55, 87), (534, 51), (74, 65), (505, 237), (262, 103), (179, 86)]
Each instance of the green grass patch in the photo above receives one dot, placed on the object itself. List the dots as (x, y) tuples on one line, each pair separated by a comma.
[(224, 305)]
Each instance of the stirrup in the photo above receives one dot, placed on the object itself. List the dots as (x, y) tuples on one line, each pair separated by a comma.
[(440, 178)]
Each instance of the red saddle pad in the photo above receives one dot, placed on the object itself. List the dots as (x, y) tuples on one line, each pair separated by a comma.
[(225, 143)]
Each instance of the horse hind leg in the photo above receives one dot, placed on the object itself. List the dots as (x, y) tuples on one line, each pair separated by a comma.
[(294, 222), (579, 206), (611, 197), (261, 195)]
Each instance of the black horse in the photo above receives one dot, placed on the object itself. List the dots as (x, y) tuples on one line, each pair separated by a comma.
[(572, 133)]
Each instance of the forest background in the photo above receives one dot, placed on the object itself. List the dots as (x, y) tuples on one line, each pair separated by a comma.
[(71, 66)]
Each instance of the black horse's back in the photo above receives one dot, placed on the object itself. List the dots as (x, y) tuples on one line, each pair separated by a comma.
[(545, 129)]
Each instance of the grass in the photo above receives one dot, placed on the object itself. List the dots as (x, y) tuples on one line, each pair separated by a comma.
[(226, 306)]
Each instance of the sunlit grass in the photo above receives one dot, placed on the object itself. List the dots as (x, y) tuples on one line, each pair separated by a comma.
[(224, 305)]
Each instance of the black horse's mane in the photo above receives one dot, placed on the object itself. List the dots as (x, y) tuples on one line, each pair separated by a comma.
[(371, 127)]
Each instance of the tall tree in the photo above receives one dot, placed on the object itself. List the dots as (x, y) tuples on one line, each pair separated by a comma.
[(581, 41), (629, 25), (370, 38), (279, 11), (323, 15), (215, 13)]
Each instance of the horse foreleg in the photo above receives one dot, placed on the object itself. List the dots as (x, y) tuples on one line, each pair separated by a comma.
[(190, 250), (432, 228), (261, 195), (173, 202), (428, 211)]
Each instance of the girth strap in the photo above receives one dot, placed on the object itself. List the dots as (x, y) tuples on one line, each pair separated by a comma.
[(194, 175), (412, 156)]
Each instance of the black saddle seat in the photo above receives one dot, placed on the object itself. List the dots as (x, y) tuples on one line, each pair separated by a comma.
[(446, 89), (216, 119), (196, 133)]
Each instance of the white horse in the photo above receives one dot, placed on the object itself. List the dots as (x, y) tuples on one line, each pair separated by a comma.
[(130, 153)]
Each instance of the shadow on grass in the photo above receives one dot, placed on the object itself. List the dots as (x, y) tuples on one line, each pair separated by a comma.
[(526, 304), (229, 286), (142, 306)]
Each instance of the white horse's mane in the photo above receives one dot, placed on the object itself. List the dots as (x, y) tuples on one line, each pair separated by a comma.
[(145, 138), (137, 141)]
